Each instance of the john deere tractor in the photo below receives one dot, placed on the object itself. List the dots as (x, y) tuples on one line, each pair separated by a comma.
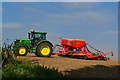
[(36, 43)]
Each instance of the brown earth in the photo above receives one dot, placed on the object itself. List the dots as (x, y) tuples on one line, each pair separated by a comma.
[(77, 67)]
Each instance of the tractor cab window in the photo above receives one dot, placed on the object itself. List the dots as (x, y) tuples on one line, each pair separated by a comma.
[(38, 36)]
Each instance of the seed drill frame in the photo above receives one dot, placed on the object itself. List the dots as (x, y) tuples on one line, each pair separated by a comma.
[(73, 47)]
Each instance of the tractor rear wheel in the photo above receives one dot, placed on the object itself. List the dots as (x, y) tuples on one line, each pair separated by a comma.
[(44, 50), (21, 50)]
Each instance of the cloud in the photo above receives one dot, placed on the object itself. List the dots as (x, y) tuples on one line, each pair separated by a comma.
[(0, 9), (111, 32), (0, 16), (95, 18), (87, 18), (34, 10), (0, 23), (11, 25), (83, 5)]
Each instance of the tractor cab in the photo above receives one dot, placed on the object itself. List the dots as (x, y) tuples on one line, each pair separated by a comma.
[(36, 36)]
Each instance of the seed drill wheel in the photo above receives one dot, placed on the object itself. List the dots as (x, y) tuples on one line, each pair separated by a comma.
[(44, 50), (86, 57), (21, 50)]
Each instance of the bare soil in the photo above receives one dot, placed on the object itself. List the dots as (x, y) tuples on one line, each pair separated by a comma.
[(79, 68)]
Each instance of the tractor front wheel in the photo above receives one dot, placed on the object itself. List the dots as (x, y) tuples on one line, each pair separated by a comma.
[(44, 50), (21, 50)]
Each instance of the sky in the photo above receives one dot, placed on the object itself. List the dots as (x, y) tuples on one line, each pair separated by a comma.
[(95, 22), (0, 32), (60, 0)]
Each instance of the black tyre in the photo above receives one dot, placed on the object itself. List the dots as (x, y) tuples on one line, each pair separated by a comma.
[(21, 50), (44, 50), (86, 57), (98, 59)]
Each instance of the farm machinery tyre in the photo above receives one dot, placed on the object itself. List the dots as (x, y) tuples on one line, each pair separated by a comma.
[(86, 57), (21, 50), (44, 50)]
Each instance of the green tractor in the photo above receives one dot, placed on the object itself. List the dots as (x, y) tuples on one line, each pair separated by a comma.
[(36, 43)]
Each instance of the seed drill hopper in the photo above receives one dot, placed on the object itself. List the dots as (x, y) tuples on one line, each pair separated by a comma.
[(74, 47)]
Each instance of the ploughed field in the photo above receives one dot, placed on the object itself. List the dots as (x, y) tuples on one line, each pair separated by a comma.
[(74, 67)]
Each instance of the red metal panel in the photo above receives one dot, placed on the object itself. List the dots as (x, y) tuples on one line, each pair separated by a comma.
[(73, 43)]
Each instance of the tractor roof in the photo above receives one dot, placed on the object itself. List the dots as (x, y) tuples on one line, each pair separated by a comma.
[(23, 39), (39, 32)]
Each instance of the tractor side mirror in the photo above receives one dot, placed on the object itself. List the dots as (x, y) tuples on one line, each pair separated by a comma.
[(112, 54), (28, 35)]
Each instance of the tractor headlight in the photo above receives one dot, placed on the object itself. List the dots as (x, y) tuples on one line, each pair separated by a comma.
[(32, 30)]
